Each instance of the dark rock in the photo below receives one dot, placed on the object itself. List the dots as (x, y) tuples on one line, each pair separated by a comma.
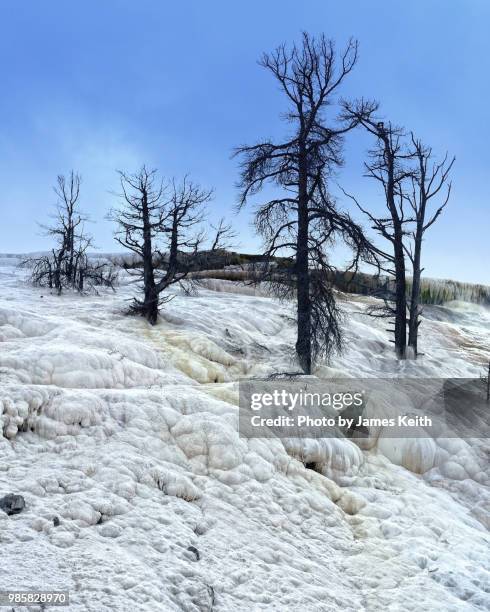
[(12, 504), (312, 465), (194, 551), (56, 521)]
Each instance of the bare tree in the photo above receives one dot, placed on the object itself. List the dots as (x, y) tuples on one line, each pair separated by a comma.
[(68, 264), (162, 225), (140, 223), (67, 219), (388, 165), (429, 180), (68, 192), (303, 218), (410, 180)]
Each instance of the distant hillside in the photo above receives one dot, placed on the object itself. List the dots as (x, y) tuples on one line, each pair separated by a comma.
[(231, 265)]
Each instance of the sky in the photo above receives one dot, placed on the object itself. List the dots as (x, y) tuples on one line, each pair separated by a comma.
[(102, 85)]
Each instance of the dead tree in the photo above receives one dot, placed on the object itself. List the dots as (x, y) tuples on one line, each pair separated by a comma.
[(303, 219), (388, 165), (67, 265), (430, 180), (163, 227), (140, 222), (70, 217), (67, 219)]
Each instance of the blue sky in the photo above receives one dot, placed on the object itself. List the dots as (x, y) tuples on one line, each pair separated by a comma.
[(107, 84)]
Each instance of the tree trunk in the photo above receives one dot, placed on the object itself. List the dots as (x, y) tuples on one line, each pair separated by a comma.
[(173, 252), (58, 259), (413, 324), (71, 255), (303, 343), (400, 301), (81, 278), (149, 308), (399, 257)]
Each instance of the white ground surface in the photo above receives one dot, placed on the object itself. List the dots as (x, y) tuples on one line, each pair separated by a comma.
[(128, 434)]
